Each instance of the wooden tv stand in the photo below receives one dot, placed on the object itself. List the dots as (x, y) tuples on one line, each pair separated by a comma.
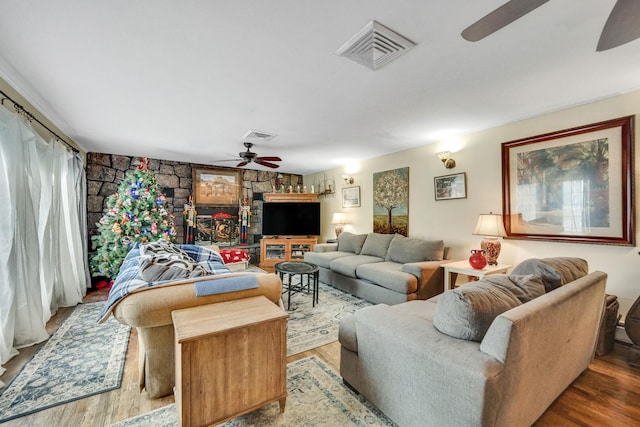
[(279, 249), (286, 248)]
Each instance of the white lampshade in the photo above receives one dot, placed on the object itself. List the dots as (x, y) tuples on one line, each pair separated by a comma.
[(490, 225), (338, 218)]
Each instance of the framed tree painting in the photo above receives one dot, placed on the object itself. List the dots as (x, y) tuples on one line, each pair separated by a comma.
[(391, 201), (216, 187), (574, 185)]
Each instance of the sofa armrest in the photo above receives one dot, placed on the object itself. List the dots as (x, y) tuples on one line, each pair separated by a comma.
[(325, 247), (430, 277), (152, 307)]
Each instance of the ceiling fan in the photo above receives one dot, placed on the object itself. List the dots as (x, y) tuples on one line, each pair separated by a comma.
[(249, 156), (622, 26)]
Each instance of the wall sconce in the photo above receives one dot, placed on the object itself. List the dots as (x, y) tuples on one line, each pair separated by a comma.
[(348, 179), (447, 161)]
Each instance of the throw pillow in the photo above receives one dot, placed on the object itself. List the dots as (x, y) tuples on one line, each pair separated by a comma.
[(468, 311), (349, 242), (405, 249), (163, 247), (525, 288), (376, 244), (169, 267), (550, 276)]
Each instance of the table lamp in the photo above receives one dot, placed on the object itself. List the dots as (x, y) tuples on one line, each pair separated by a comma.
[(338, 220), (491, 227)]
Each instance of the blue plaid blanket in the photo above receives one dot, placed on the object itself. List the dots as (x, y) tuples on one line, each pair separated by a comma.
[(129, 279)]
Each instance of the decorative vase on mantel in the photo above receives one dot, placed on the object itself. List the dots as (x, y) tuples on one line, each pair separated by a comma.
[(477, 259)]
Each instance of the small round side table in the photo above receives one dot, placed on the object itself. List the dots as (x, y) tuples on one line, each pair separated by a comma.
[(288, 270)]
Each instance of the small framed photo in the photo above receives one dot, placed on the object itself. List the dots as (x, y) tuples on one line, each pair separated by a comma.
[(351, 197), (449, 187)]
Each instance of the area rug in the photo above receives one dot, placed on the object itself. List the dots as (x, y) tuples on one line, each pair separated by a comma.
[(317, 397), (80, 359), (310, 327)]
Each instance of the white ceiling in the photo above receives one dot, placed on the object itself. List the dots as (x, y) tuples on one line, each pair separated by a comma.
[(185, 80)]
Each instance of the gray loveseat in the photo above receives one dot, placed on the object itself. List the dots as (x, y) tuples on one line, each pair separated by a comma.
[(381, 268), (502, 366)]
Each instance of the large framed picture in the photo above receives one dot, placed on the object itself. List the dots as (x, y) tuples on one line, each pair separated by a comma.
[(351, 197), (449, 187), (574, 185), (216, 187)]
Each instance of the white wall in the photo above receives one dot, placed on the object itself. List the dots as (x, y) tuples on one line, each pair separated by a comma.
[(479, 156)]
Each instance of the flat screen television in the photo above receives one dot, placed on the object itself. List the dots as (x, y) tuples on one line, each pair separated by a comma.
[(291, 219)]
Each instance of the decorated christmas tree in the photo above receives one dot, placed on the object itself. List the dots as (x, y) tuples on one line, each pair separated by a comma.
[(138, 212)]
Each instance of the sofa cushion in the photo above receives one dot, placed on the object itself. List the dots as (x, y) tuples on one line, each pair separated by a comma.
[(406, 249), (388, 275), (550, 276), (376, 244), (348, 265), (525, 288), (349, 242), (568, 268), (468, 311), (323, 259), (554, 272)]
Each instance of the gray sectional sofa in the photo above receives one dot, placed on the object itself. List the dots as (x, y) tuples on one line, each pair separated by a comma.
[(496, 352), (382, 268)]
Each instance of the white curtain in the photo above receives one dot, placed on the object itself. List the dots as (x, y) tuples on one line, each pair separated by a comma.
[(42, 233)]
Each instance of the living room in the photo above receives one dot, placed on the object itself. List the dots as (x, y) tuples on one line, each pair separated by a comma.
[(478, 156)]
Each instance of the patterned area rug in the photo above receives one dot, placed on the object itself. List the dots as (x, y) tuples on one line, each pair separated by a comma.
[(310, 327), (317, 397), (80, 359)]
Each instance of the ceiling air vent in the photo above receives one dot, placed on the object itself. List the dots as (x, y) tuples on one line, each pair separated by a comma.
[(256, 134), (375, 45)]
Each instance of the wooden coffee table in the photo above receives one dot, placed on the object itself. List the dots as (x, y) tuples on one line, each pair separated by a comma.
[(230, 359)]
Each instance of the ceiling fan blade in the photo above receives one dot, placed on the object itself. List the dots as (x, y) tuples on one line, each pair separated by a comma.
[(267, 164), (239, 165), (499, 18), (622, 26), (271, 158), (224, 160)]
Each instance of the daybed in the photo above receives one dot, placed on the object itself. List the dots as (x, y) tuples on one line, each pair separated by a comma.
[(147, 305), (381, 268), (465, 358)]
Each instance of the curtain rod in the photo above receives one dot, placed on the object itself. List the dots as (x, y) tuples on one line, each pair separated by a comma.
[(31, 117)]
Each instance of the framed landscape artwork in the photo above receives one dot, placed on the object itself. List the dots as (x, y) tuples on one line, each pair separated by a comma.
[(391, 201), (351, 197), (216, 187), (574, 185), (449, 187)]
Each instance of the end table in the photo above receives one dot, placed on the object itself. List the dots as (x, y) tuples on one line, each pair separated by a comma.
[(451, 271)]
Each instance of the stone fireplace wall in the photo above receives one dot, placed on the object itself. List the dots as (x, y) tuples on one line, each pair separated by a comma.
[(106, 171)]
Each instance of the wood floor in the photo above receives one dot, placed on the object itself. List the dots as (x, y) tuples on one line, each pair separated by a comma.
[(606, 394)]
